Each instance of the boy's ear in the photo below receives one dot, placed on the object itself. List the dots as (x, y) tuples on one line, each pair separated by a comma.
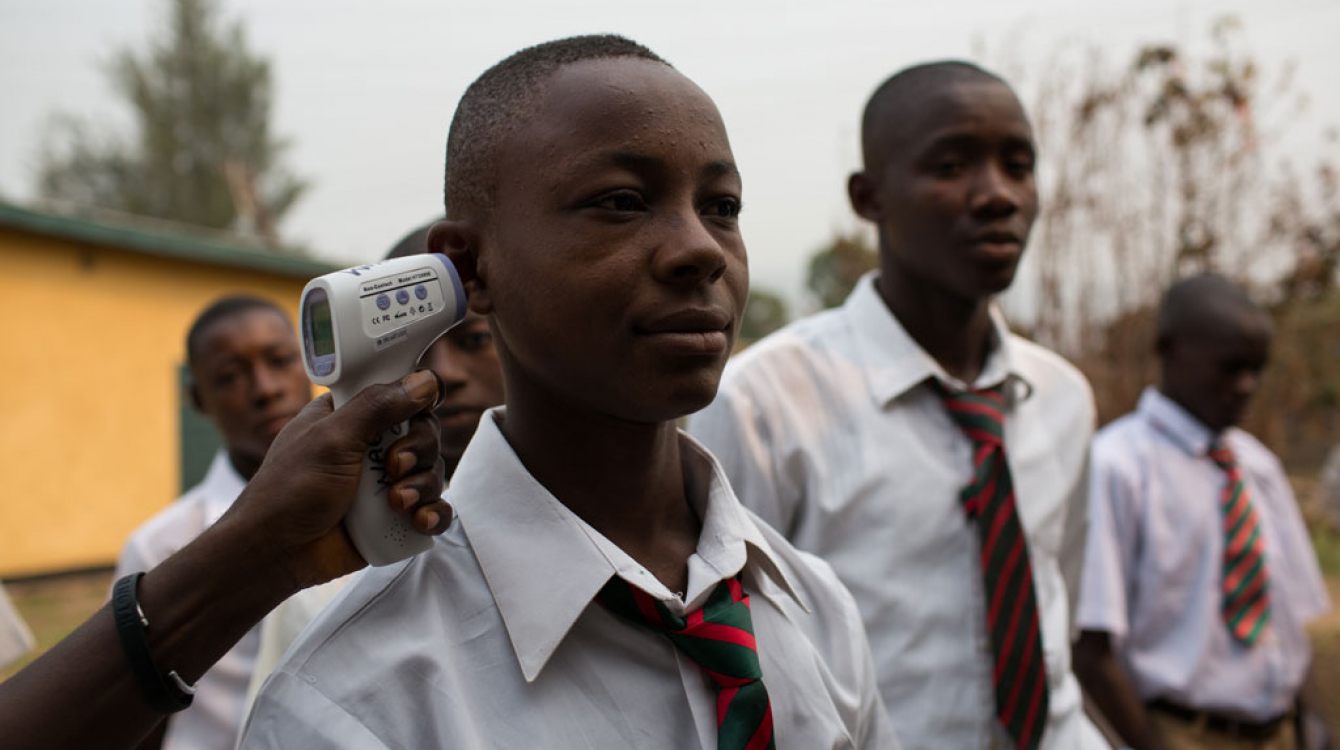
[(458, 240), (195, 396), (862, 192)]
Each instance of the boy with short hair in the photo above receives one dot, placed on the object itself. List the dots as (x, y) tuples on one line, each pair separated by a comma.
[(932, 457), (247, 378), (602, 586), (1199, 577)]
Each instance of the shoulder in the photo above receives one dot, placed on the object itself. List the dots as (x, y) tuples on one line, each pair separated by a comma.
[(1254, 453), (798, 348), (164, 533), (1053, 377), (420, 595), (813, 579)]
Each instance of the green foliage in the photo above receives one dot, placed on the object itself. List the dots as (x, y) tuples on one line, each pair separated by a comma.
[(835, 268), (765, 313), (202, 152)]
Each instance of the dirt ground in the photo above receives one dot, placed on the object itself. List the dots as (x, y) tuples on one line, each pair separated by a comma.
[(55, 606)]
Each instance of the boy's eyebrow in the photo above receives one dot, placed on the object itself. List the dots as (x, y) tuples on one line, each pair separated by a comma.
[(960, 140), (634, 161)]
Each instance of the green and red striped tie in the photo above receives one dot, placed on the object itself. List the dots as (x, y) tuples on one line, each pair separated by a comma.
[(1019, 672), (720, 639), (1246, 605)]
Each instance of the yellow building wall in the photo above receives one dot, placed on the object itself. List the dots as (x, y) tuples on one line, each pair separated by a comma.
[(91, 339)]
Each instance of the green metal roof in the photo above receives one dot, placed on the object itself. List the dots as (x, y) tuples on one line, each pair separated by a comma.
[(161, 238)]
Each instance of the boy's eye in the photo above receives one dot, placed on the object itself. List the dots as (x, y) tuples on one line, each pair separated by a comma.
[(475, 340), (1019, 167), (622, 201), (948, 167), (724, 208)]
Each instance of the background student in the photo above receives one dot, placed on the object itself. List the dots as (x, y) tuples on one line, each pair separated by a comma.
[(1200, 575), (470, 382), (932, 457), (247, 377)]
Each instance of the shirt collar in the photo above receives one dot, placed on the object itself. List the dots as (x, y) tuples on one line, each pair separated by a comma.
[(1178, 424), (894, 363), (521, 534), (220, 487)]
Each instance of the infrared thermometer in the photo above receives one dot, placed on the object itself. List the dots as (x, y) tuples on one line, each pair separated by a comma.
[(370, 324)]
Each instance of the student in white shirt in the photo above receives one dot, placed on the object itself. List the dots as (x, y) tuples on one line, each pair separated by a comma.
[(16, 640), (836, 429), (593, 199), (1172, 659), (466, 365), (247, 378)]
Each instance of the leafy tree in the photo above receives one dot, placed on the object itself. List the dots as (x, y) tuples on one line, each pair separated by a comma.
[(835, 268), (203, 152), (765, 313)]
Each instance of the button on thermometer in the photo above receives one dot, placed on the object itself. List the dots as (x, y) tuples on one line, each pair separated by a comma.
[(370, 324)]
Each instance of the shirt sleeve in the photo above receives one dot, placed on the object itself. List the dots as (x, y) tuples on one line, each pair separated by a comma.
[(1075, 539), (738, 433), (1110, 556)]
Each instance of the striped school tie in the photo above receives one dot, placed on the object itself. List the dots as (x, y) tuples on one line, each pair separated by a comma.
[(1246, 605), (720, 639), (1007, 575)]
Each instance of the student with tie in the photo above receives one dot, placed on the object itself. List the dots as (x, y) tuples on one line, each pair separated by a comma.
[(1199, 575), (601, 586), (932, 457)]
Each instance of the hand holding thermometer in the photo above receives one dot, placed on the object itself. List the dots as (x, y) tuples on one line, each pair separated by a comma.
[(370, 324)]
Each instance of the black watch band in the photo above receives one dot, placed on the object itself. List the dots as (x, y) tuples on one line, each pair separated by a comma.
[(165, 695)]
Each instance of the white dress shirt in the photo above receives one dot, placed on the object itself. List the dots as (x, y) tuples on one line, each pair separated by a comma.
[(1155, 561), (16, 640), (215, 716), (492, 639), (829, 430)]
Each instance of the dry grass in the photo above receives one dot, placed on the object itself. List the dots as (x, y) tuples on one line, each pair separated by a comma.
[(53, 607)]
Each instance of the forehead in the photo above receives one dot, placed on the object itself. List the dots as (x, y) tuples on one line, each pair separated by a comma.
[(590, 112), (985, 109), (242, 334)]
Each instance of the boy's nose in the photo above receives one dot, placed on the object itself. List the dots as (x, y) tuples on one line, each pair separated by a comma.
[(994, 193), (689, 253)]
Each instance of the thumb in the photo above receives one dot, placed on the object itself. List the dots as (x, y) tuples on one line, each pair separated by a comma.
[(379, 407)]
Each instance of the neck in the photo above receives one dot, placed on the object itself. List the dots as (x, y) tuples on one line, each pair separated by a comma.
[(955, 331), (623, 478), (245, 465)]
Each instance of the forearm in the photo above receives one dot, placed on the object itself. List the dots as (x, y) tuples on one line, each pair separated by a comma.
[(1113, 692), (199, 603)]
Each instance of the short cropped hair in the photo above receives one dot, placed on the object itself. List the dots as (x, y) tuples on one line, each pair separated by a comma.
[(1200, 305), (497, 101), (905, 90), (220, 309)]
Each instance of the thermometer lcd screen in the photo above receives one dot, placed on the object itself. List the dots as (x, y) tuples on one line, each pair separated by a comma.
[(323, 335)]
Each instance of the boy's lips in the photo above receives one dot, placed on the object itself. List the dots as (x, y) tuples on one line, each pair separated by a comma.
[(694, 331)]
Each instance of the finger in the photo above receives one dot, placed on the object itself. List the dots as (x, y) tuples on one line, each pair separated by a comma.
[(378, 407), (433, 518), (315, 410), (415, 490), (418, 450)]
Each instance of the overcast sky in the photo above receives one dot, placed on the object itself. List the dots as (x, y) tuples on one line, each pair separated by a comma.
[(365, 89)]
